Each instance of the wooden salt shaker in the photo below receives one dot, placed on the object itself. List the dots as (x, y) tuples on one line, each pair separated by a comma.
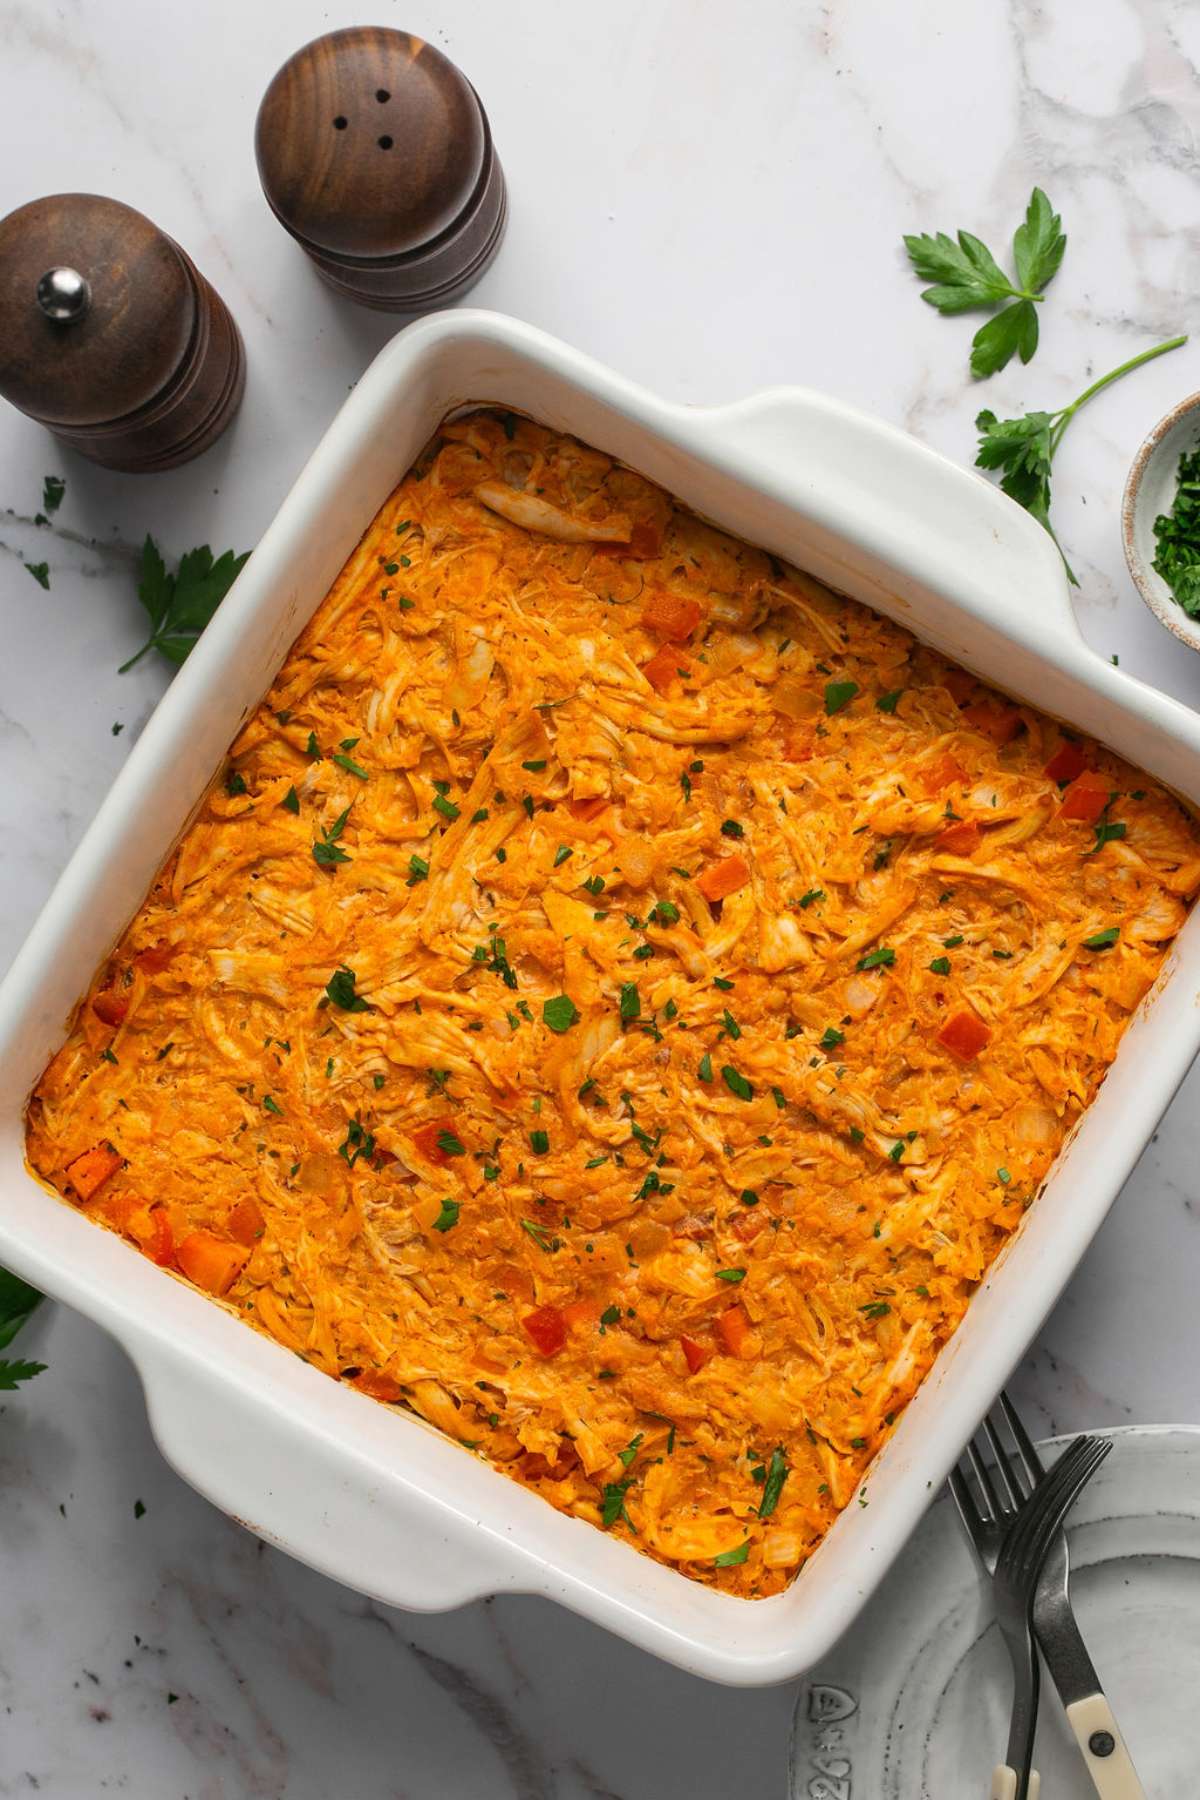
[(375, 154), (111, 337)]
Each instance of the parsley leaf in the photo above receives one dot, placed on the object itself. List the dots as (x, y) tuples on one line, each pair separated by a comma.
[(631, 1002), (967, 278), (329, 851), (447, 1219), (777, 1473), (41, 574), (883, 958), (559, 1013), (53, 489), (340, 989), (729, 1559), (179, 606), (18, 1301), (13, 1373), (736, 1083), (1103, 940), (838, 694), (1024, 448)]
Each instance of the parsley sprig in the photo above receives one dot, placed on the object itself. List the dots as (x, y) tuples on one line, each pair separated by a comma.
[(180, 605), (967, 278), (18, 1301), (1024, 448)]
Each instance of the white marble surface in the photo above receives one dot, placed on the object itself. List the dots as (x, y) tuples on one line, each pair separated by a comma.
[(710, 206)]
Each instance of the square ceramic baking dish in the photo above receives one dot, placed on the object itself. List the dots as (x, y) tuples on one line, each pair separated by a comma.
[(381, 1501)]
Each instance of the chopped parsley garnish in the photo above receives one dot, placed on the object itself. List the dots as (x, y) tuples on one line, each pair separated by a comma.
[(559, 1013), (418, 870), (272, 1106), (952, 943), (838, 694), (722, 982), (450, 1145), (876, 1309), (777, 1473), (731, 829), (940, 965), (832, 1038), (613, 1500), (235, 783), (730, 1024), (665, 911), (736, 1083), (1103, 940), (610, 1316), (813, 894), (882, 958), (540, 1235), (446, 807), (561, 854), (479, 817), (1003, 1177), (358, 1143), (539, 1142), (631, 1449), (340, 989), (748, 1197), (887, 702), (896, 1151), (448, 1217), (594, 884), (729, 1559), (328, 851), (631, 1002), (705, 1069), (534, 767), (291, 801), (731, 1274)]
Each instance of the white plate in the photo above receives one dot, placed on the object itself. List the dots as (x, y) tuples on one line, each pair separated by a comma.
[(913, 1703)]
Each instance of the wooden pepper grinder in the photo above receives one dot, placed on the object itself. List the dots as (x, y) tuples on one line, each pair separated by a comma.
[(111, 337), (375, 154)]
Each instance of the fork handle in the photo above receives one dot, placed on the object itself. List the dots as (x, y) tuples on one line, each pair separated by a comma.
[(1113, 1775), (1005, 1784)]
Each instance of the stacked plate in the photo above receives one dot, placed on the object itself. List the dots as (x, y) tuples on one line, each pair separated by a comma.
[(913, 1703)]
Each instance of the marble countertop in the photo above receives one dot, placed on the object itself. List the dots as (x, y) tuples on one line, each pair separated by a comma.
[(710, 208)]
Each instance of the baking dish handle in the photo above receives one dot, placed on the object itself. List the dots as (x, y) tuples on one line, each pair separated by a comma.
[(867, 484), (330, 1503)]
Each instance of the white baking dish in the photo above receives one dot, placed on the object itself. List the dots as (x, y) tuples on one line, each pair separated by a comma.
[(380, 1501)]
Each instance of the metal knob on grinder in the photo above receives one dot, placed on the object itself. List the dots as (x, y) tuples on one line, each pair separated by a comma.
[(375, 153), (111, 337)]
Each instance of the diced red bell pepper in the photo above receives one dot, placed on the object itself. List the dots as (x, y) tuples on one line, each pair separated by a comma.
[(1067, 763), (959, 839), (672, 616), (425, 1139), (111, 1007), (1086, 798), (156, 959), (546, 1329), (211, 1262), (964, 1034), (694, 1355), (945, 772), (378, 1385), (159, 1243), (733, 1329), (995, 720), (246, 1222), (93, 1168), (723, 878), (959, 685), (666, 667)]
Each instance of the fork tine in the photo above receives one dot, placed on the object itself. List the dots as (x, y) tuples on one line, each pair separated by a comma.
[(1025, 1547), (1007, 1469), (968, 1510), (1033, 1463), (980, 1471)]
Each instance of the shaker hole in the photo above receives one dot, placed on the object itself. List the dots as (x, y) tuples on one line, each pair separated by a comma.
[(385, 143), (382, 95), (339, 124)]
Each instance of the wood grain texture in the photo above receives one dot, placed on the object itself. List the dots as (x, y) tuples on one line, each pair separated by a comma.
[(375, 154), (155, 370)]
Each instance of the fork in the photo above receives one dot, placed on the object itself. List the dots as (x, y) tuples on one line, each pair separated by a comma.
[(1006, 1479), (987, 1521), (1054, 1626), (1023, 1555)]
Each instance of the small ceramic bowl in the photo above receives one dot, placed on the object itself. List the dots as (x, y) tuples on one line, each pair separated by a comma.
[(1149, 491)]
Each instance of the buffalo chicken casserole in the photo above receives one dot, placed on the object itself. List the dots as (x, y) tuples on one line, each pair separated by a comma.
[(615, 1001)]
